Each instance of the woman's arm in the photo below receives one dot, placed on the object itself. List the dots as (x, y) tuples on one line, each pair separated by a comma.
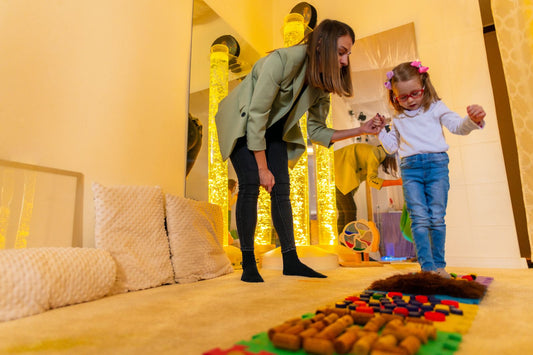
[(319, 133), (266, 88), (367, 128)]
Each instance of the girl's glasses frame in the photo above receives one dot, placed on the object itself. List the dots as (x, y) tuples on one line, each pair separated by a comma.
[(414, 94)]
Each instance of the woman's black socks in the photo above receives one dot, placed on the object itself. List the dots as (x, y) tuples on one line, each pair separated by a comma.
[(294, 267), (249, 268)]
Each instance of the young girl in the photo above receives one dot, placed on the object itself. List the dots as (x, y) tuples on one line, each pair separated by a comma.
[(416, 133), (258, 129)]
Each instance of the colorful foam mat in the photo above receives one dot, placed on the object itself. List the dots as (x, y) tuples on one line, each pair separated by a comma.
[(370, 322)]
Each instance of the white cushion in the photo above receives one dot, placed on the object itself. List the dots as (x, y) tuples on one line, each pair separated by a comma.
[(130, 224), (38, 279), (195, 233)]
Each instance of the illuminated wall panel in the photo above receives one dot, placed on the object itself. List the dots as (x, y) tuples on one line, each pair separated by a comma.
[(21, 241), (293, 33), (325, 192), (6, 196), (218, 169)]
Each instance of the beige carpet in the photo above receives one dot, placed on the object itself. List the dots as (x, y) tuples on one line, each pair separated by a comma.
[(193, 318)]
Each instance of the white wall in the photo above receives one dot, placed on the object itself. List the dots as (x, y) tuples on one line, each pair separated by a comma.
[(98, 87), (101, 87), (481, 230)]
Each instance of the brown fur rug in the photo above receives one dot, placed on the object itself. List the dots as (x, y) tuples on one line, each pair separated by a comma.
[(425, 283)]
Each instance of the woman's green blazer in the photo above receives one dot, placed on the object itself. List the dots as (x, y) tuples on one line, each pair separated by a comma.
[(268, 93)]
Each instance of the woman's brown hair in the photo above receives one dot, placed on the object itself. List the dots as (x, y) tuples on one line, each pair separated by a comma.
[(406, 72), (323, 65), (389, 163)]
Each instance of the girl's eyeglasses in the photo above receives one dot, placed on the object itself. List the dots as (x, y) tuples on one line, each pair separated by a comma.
[(414, 94)]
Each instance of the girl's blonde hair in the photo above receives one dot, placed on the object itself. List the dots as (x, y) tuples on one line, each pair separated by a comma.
[(405, 72), (323, 65)]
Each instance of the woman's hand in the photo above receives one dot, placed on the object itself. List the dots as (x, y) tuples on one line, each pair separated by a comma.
[(266, 179), (371, 126), (379, 120)]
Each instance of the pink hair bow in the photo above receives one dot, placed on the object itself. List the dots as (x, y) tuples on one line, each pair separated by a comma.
[(421, 68), (387, 84)]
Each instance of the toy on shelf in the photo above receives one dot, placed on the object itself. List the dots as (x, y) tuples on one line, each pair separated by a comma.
[(361, 236)]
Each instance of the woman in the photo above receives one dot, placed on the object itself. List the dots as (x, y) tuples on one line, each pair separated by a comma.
[(355, 163), (258, 130)]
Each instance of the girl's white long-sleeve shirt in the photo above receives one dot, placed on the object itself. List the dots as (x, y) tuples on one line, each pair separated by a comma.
[(417, 132)]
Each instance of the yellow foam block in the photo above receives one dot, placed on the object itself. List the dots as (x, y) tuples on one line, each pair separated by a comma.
[(458, 324)]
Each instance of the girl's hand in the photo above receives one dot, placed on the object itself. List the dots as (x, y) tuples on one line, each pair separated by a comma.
[(266, 179), (476, 113), (379, 120)]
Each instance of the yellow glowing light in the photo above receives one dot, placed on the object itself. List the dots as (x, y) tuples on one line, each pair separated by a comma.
[(21, 240), (217, 168), (293, 33), (6, 196), (293, 29), (300, 194), (325, 192)]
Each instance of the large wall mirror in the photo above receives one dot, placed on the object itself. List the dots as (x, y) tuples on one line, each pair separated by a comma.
[(207, 28), (371, 58)]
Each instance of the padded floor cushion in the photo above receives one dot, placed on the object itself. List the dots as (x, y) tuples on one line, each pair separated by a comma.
[(38, 279)]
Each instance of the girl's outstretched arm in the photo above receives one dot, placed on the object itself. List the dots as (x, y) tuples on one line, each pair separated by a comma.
[(476, 113)]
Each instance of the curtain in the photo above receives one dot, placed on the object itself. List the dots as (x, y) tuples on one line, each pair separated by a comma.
[(513, 20)]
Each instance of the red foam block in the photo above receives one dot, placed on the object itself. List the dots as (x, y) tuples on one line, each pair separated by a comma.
[(435, 316), (450, 303), (365, 309), (394, 294), (401, 310), (421, 298)]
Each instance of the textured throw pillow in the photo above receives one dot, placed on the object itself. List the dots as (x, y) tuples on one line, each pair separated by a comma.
[(130, 224), (195, 235), (38, 279)]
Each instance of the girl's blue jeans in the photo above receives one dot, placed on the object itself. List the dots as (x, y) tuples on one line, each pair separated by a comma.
[(425, 185)]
